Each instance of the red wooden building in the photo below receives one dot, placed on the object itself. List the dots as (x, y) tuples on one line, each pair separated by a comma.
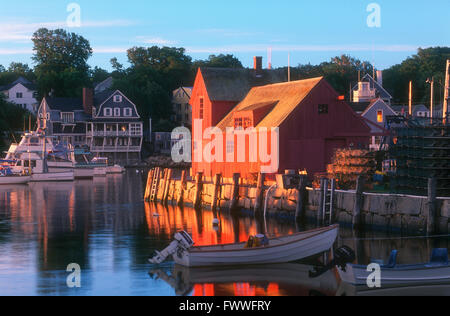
[(311, 118)]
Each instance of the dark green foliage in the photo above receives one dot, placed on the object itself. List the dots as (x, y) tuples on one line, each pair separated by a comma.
[(218, 61), (418, 68), (61, 62), (341, 72), (12, 119)]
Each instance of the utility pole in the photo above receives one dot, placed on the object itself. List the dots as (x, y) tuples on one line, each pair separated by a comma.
[(289, 67), (410, 98), (446, 92), (431, 82)]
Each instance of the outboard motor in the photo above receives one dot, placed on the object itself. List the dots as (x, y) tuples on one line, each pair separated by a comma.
[(342, 256), (182, 241)]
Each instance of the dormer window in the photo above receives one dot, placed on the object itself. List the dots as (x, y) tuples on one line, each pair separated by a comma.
[(117, 99), (116, 111), (127, 112), (107, 112)]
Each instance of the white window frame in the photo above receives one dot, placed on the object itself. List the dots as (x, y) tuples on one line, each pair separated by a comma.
[(19, 95), (127, 112), (117, 99), (107, 112), (116, 111)]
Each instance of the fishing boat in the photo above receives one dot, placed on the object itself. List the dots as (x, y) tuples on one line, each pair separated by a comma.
[(436, 271), (60, 157), (275, 250)]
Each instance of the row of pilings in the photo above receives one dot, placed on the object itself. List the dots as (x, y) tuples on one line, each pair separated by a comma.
[(325, 205)]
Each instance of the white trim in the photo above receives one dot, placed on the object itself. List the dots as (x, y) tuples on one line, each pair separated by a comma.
[(123, 95)]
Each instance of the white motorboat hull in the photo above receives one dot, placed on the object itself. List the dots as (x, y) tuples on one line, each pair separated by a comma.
[(14, 180), (100, 172), (115, 169), (280, 250), (52, 176), (83, 173), (405, 275)]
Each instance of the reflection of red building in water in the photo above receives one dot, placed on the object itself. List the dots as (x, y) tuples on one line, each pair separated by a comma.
[(312, 119)]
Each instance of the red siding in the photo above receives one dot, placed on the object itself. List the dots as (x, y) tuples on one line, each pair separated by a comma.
[(307, 139)]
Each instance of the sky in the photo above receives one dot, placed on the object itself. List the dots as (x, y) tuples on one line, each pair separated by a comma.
[(307, 31)]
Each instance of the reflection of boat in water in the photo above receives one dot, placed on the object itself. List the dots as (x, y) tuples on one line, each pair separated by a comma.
[(277, 250), (183, 279), (392, 274), (346, 289)]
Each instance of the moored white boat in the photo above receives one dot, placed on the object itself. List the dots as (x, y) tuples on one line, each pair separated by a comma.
[(437, 271), (52, 176), (116, 169), (279, 250), (16, 179)]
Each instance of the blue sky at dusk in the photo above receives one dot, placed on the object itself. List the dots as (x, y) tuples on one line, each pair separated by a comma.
[(311, 31)]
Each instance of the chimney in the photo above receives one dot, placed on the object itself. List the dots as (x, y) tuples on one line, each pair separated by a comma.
[(88, 100), (380, 77), (257, 63)]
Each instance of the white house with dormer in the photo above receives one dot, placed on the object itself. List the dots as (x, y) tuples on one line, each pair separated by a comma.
[(23, 93), (369, 89)]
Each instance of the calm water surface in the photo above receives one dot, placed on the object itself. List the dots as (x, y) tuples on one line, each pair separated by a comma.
[(104, 226)]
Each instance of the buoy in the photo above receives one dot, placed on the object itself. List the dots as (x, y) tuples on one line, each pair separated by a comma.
[(215, 222)]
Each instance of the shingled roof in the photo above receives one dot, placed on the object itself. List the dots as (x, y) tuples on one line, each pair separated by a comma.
[(65, 104), (286, 97), (230, 84), (23, 81)]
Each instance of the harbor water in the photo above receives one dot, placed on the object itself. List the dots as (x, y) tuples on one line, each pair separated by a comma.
[(104, 227)]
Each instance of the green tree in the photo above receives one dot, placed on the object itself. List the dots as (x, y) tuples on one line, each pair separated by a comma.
[(98, 75), (427, 63), (218, 61), (12, 119), (61, 62), (341, 72)]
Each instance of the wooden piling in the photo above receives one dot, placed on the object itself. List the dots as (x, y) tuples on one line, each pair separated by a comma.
[(301, 198), (235, 192), (357, 218), (198, 190), (163, 185), (167, 185), (148, 187), (182, 188), (259, 193), (321, 202), (216, 192), (431, 216)]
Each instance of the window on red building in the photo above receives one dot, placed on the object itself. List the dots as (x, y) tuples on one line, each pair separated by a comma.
[(238, 122), (202, 108)]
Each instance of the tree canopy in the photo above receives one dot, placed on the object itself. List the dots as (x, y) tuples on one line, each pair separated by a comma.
[(12, 119), (218, 61), (427, 63), (341, 72), (61, 62)]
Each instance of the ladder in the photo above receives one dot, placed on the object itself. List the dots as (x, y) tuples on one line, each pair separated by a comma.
[(155, 183), (328, 201)]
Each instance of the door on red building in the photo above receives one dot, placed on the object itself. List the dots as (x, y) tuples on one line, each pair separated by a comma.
[(330, 147)]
